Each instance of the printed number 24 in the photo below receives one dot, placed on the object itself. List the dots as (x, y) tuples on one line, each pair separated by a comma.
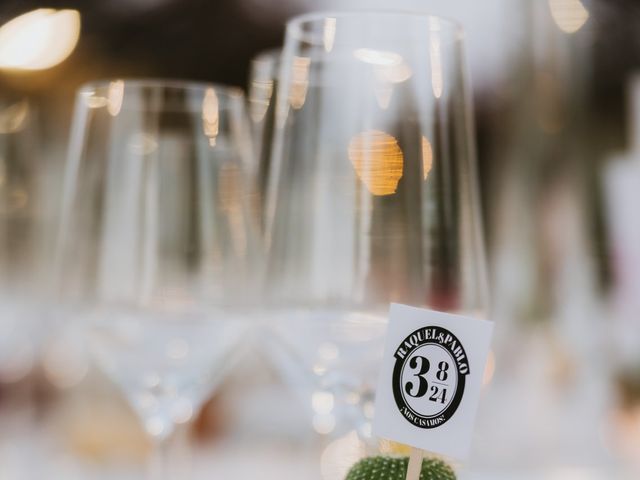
[(437, 395)]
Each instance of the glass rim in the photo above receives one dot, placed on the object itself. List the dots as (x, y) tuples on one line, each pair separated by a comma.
[(298, 21), (163, 83), (270, 54)]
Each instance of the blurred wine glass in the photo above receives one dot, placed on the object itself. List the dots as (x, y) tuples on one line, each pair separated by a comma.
[(263, 84), (23, 233), (157, 255), (371, 198), (26, 234)]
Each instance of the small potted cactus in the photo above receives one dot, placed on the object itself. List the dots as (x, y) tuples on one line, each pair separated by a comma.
[(395, 468)]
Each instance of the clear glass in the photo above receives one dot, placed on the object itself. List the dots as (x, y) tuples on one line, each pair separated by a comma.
[(263, 84), (372, 198), (24, 235), (157, 254), (25, 238)]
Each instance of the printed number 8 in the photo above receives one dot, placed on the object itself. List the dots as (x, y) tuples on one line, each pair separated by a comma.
[(442, 374)]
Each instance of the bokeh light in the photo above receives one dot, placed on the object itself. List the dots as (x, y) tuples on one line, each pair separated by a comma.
[(39, 39)]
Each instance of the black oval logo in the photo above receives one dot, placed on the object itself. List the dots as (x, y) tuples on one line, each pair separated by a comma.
[(429, 376)]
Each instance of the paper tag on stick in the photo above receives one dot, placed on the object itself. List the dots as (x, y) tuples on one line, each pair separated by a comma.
[(430, 379)]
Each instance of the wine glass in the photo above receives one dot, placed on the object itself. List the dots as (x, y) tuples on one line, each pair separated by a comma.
[(21, 228), (372, 198), (157, 253), (263, 83), (24, 238)]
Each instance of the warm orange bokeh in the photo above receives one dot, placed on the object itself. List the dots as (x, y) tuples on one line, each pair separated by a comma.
[(378, 161)]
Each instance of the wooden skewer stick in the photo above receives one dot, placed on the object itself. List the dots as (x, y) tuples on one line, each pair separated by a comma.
[(415, 464)]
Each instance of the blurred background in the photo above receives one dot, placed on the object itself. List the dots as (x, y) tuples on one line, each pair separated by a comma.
[(557, 115)]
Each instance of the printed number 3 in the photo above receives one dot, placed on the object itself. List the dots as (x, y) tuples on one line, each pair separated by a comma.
[(423, 385)]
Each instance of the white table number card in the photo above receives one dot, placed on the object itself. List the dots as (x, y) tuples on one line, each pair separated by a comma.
[(430, 379)]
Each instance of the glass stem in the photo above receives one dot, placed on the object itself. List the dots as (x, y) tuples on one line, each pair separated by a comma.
[(159, 462)]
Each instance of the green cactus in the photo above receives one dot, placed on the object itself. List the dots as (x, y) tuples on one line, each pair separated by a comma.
[(395, 468)]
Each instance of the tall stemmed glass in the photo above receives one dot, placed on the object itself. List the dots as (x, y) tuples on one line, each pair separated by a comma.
[(263, 83), (22, 235), (156, 245), (372, 198)]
